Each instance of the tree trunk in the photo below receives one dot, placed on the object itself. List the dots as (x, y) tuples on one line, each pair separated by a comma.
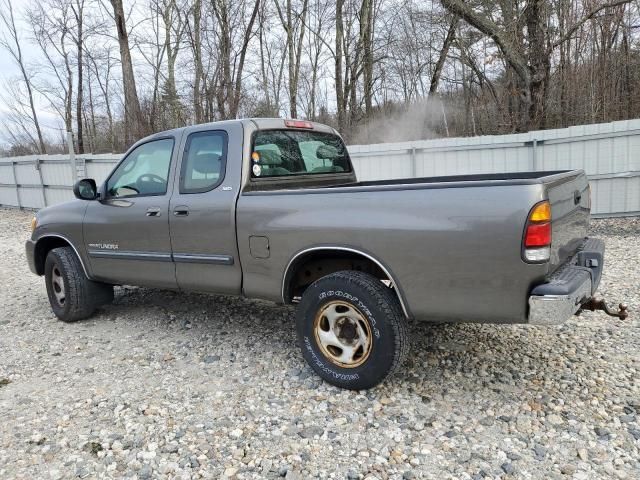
[(174, 31), (68, 118), (79, 40), (442, 58), (223, 80), (134, 123), (197, 60), (288, 25), (93, 134), (366, 42), (264, 81), (294, 48), (338, 67), (539, 66), (248, 33), (296, 70)]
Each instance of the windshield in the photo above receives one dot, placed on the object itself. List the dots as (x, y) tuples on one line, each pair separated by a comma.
[(280, 153)]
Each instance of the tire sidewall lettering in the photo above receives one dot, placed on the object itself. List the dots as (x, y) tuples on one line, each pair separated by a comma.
[(355, 301), (324, 367)]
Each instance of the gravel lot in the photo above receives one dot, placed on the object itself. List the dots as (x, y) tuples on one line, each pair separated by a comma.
[(168, 385)]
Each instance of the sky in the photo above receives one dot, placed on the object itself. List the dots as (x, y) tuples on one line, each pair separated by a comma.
[(10, 72)]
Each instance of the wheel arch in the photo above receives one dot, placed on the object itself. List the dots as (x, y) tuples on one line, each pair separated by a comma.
[(334, 257), (48, 242)]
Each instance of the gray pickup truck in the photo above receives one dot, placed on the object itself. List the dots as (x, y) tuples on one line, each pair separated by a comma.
[(271, 209)]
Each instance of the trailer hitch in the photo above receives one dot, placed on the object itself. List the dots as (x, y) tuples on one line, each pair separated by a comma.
[(593, 304)]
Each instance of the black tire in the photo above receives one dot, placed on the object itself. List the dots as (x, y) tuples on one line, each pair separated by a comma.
[(79, 297), (387, 325)]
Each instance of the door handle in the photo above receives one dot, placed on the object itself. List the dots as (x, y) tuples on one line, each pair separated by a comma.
[(181, 211), (153, 212)]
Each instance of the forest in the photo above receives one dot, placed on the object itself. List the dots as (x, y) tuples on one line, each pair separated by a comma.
[(113, 71)]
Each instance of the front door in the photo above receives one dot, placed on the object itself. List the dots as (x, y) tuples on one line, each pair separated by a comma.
[(202, 213), (126, 233)]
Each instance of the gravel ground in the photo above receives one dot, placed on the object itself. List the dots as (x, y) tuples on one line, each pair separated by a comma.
[(168, 385)]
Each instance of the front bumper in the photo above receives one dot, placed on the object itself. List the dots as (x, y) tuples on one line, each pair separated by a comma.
[(568, 287), (30, 249)]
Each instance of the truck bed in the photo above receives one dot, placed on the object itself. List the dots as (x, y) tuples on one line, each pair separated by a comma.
[(454, 243), (508, 177), (295, 186)]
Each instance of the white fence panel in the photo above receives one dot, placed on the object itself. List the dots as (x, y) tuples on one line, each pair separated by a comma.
[(609, 153), (55, 195), (99, 169), (6, 174), (27, 174), (57, 172), (8, 195), (31, 197)]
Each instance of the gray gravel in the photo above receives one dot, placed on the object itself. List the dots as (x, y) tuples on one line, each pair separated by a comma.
[(168, 385)]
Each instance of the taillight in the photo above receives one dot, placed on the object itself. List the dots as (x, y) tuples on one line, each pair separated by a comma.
[(537, 235), (298, 124)]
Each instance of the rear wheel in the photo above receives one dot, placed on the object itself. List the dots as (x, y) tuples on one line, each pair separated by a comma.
[(71, 294), (351, 329)]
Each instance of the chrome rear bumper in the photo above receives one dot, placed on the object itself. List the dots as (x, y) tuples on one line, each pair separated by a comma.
[(569, 287)]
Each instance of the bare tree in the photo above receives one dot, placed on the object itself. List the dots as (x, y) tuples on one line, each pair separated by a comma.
[(232, 26), (530, 60), (293, 24), (341, 106), (102, 63), (273, 56), (174, 36), (11, 42), (442, 57), (319, 28), (52, 24), (135, 125), (77, 7), (193, 28)]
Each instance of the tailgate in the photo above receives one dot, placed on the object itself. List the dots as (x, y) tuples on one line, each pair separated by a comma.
[(569, 196)]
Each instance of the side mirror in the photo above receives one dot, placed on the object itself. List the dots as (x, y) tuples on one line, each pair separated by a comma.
[(86, 189)]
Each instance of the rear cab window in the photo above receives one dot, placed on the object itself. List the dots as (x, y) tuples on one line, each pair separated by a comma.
[(290, 153), (204, 161)]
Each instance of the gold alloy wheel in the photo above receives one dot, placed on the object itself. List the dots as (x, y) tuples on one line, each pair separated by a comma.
[(343, 334), (57, 284)]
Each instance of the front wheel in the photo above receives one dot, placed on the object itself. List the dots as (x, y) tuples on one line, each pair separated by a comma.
[(352, 330), (71, 294)]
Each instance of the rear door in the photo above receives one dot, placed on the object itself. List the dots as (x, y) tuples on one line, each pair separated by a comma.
[(127, 231), (202, 211)]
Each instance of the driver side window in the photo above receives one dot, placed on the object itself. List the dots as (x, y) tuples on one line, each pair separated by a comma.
[(144, 172)]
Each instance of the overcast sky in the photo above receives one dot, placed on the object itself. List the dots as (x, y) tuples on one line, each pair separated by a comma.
[(9, 72)]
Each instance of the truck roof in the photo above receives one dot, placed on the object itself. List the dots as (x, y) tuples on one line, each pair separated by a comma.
[(248, 124)]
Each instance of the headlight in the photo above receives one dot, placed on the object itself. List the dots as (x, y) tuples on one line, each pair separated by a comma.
[(34, 224)]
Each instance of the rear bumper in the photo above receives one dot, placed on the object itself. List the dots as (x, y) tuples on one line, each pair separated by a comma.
[(568, 287), (30, 250)]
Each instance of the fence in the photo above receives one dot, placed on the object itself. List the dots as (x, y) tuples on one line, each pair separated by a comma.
[(37, 181), (609, 153)]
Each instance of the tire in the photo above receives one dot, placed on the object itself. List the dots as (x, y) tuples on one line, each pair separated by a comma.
[(71, 294), (368, 340)]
